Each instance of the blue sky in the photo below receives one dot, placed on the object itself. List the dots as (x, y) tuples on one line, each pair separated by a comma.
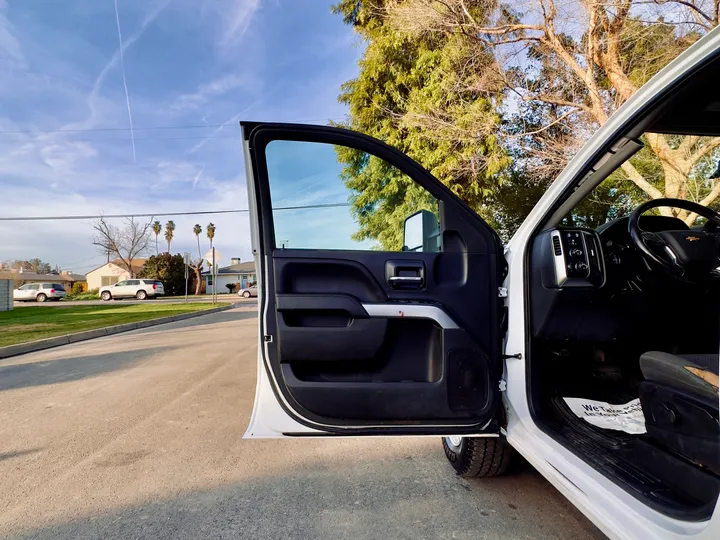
[(65, 143)]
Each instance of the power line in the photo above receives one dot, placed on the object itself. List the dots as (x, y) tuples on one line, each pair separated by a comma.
[(164, 214)]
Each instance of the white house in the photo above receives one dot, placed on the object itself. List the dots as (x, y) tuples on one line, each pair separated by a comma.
[(237, 272), (111, 273)]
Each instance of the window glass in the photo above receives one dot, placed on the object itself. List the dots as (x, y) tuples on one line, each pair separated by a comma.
[(57, 287), (34, 287), (328, 196), (24, 288), (108, 280), (122, 283), (133, 282), (690, 170)]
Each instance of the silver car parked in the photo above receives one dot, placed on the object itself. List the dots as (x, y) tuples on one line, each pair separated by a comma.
[(39, 292), (250, 290)]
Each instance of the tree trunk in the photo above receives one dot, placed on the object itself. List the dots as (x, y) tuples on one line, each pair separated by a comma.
[(198, 279)]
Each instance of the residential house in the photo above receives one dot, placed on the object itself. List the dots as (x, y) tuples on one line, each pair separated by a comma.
[(65, 278), (112, 272), (237, 272)]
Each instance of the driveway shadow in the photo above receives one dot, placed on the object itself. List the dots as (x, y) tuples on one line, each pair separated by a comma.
[(382, 499), (18, 453), (74, 368)]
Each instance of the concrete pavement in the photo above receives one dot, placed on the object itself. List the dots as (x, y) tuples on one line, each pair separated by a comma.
[(138, 436)]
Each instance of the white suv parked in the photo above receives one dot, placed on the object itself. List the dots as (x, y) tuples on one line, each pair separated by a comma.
[(39, 292), (133, 288)]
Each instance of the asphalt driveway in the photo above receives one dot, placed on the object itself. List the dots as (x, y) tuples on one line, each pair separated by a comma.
[(138, 435)]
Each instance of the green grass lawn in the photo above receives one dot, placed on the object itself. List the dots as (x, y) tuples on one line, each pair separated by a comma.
[(33, 323)]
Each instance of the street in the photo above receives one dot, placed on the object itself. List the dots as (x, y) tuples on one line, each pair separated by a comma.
[(138, 435)]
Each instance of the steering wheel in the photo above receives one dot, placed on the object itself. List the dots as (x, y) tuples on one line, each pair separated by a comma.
[(686, 254)]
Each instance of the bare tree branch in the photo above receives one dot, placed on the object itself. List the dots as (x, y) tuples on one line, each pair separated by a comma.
[(125, 244), (709, 199)]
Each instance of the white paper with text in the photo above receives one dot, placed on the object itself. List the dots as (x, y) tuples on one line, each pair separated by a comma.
[(628, 417)]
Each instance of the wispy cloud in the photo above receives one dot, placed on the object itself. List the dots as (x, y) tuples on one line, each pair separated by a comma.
[(239, 20), (233, 119), (129, 42), (207, 91), (124, 79), (236, 16), (11, 55), (196, 180)]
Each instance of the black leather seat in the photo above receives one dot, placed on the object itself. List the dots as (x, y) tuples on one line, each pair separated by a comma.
[(680, 404), (673, 370)]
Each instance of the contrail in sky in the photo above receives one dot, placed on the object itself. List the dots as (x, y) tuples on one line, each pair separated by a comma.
[(122, 70)]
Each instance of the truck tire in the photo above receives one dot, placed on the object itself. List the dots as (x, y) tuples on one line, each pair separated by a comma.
[(478, 457), (106, 296), (41, 297), (141, 295)]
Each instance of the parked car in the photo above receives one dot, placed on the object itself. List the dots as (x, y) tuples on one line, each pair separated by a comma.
[(39, 292), (133, 288), (250, 290), (592, 352)]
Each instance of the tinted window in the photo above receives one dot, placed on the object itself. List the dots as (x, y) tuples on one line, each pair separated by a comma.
[(321, 199), (57, 287), (33, 287), (133, 282)]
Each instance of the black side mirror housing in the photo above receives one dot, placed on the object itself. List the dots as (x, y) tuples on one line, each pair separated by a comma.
[(421, 232)]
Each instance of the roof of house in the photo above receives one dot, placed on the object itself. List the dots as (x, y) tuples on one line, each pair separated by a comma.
[(45, 278), (240, 268), (137, 265)]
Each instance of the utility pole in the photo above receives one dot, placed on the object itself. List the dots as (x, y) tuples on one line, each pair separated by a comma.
[(187, 274)]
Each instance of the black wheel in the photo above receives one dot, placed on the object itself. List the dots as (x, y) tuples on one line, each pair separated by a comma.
[(106, 296), (41, 297), (478, 456), (141, 295)]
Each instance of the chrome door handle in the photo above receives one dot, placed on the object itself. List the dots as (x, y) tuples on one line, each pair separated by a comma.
[(406, 279)]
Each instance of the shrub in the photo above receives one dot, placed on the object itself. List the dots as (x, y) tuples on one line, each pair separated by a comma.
[(88, 295), (77, 288)]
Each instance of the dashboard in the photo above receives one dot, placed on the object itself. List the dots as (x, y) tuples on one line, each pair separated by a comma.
[(578, 275)]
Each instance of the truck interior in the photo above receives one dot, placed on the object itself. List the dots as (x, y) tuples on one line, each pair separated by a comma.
[(627, 306)]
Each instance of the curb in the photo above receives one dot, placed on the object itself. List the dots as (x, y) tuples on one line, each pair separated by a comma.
[(42, 344)]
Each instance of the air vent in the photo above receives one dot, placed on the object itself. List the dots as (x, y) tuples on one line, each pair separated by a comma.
[(556, 246)]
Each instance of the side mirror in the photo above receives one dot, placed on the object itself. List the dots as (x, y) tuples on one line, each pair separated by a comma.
[(421, 232)]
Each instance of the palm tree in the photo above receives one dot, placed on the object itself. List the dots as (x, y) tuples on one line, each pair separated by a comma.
[(210, 233), (157, 229), (197, 229), (210, 230), (169, 232)]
